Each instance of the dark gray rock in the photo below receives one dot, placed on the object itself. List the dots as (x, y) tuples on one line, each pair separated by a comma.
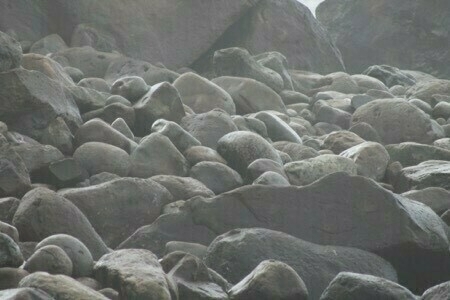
[(25, 294), (49, 44), (162, 101), (183, 188), (10, 255), (182, 139), (277, 129), (263, 165), (277, 62), (241, 148), (218, 177), (156, 155), (14, 177), (296, 151), (50, 259), (11, 278), (236, 253), (209, 127), (270, 280), (438, 199), (58, 134), (197, 154), (98, 84), (117, 208), (43, 213), (110, 112), (390, 76), (271, 178), (430, 173), (66, 172), (340, 141), (249, 95), (411, 154), (438, 292), (46, 65), (136, 274), (10, 53), (131, 88), (79, 254), (348, 286), (366, 132)]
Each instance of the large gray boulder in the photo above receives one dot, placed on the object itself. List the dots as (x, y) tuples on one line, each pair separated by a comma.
[(430, 173), (340, 210), (10, 53), (43, 213), (371, 32), (287, 27), (236, 253), (14, 176), (136, 274), (117, 208), (30, 101)]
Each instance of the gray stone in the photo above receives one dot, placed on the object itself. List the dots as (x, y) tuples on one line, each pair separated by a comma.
[(10, 255), (277, 129), (11, 53), (50, 259), (131, 88), (49, 44), (14, 177), (438, 292), (197, 154), (390, 76), (182, 139), (271, 178), (25, 294), (438, 199), (10, 278), (190, 248), (340, 141), (183, 188), (411, 154), (58, 134), (296, 151), (46, 65), (218, 177), (430, 173)]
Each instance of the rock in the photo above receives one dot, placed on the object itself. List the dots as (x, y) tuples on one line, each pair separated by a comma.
[(396, 121), (277, 129), (110, 293), (87, 99), (277, 62), (198, 154), (371, 159), (390, 76), (411, 154), (283, 26), (296, 151), (438, 292), (135, 203), (156, 155), (99, 131), (190, 248), (443, 143), (271, 178), (340, 141), (11, 278), (438, 199), (50, 259), (194, 280), (202, 95), (66, 173), (168, 227), (109, 113), (263, 165), (43, 213), (182, 139), (340, 210), (241, 148), (14, 177), (430, 91), (367, 83), (441, 110), (37, 101), (335, 116), (183, 188), (60, 287), (218, 177), (161, 102), (366, 132), (10, 231), (120, 125), (74, 73), (98, 157), (98, 84), (10, 255), (58, 134), (25, 293), (239, 63), (102, 178), (90, 283), (49, 44), (238, 252), (136, 274), (131, 88), (309, 170), (11, 53), (79, 255), (293, 97), (381, 34), (358, 286), (249, 95), (46, 65), (340, 82), (430, 173), (270, 280), (210, 127)]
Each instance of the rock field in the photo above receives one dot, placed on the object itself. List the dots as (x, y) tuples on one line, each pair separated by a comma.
[(223, 150)]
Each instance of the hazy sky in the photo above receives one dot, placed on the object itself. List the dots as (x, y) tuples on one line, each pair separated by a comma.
[(312, 4)]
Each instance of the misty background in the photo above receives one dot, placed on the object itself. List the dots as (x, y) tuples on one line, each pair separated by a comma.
[(311, 4)]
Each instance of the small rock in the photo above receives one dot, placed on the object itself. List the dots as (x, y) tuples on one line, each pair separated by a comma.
[(50, 259)]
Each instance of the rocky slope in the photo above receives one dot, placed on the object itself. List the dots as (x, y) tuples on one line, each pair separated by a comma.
[(121, 178)]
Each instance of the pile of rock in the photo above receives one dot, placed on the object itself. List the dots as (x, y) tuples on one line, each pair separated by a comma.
[(121, 179)]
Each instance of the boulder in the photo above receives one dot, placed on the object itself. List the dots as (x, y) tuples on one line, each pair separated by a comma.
[(14, 176), (277, 129), (236, 253), (371, 159), (263, 165), (25, 293), (10, 53), (218, 177), (98, 84), (383, 36), (309, 170), (117, 208), (438, 199), (11, 278), (46, 65), (198, 154), (390, 76), (249, 95), (8, 207), (58, 134), (340, 141), (183, 188), (209, 127), (162, 101), (110, 112), (50, 259), (430, 173), (270, 280), (136, 274), (37, 101), (411, 154), (358, 286), (10, 255), (271, 178), (60, 287), (156, 155), (241, 148), (296, 151), (190, 248), (342, 210), (43, 213), (131, 88), (438, 292), (396, 121), (182, 139), (50, 44), (202, 95), (79, 255)]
